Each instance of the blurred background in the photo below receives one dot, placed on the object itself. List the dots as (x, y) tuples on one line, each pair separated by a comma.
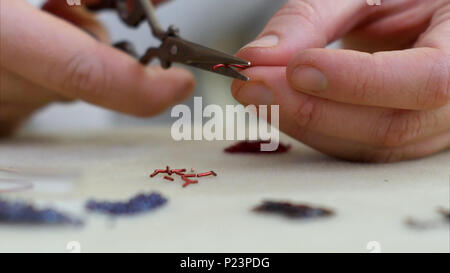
[(219, 24)]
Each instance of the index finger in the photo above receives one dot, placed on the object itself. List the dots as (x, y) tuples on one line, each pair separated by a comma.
[(412, 79)]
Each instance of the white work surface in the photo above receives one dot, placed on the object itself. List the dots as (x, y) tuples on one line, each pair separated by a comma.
[(371, 201)]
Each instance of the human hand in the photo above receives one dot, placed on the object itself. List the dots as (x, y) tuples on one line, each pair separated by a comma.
[(387, 106), (49, 56)]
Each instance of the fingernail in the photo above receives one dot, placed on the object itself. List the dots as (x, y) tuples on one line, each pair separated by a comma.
[(265, 41), (255, 93), (309, 78)]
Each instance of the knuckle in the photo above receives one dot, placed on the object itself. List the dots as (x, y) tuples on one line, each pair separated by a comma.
[(303, 9), (437, 86), (367, 84), (307, 14), (436, 90), (84, 74), (307, 114), (306, 11), (397, 128), (446, 82), (361, 88)]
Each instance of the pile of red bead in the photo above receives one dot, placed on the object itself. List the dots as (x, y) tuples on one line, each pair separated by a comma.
[(186, 177)]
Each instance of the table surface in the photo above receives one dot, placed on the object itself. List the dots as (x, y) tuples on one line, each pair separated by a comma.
[(371, 201)]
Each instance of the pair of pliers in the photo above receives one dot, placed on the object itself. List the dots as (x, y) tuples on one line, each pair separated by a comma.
[(173, 48)]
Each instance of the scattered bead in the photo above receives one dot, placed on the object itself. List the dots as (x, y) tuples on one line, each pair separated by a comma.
[(184, 176), (293, 211), (177, 171), (138, 204), (445, 213), (188, 181), (23, 213), (156, 172), (431, 223), (207, 174), (169, 178)]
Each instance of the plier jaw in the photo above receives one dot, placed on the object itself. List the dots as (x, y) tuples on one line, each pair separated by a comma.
[(177, 50), (173, 48)]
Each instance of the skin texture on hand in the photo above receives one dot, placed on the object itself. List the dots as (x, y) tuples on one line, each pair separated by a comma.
[(61, 53), (384, 98)]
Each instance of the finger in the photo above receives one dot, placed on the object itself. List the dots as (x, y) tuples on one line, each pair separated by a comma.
[(78, 16), (18, 99), (370, 125), (11, 106), (394, 26), (16, 90), (411, 79), (8, 127), (355, 151), (12, 115), (438, 33), (60, 57), (301, 24)]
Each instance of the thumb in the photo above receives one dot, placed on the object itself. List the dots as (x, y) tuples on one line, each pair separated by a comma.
[(302, 24)]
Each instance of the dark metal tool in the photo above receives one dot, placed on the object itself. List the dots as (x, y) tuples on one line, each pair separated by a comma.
[(173, 48)]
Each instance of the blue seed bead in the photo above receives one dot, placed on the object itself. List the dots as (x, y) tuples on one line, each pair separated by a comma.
[(292, 210), (24, 213), (137, 204)]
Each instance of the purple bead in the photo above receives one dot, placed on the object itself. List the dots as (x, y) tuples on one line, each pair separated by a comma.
[(137, 204), (293, 210), (16, 212)]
